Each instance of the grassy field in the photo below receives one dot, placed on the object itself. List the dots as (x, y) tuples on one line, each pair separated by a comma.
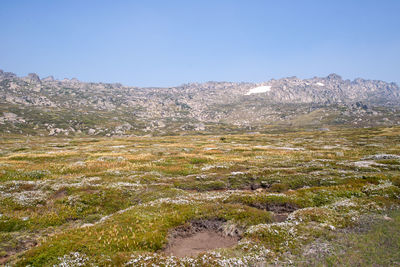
[(113, 201)]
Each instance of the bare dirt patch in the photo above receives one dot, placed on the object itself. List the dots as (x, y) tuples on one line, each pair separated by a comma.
[(280, 211), (280, 208), (20, 246), (60, 194), (199, 236), (280, 217)]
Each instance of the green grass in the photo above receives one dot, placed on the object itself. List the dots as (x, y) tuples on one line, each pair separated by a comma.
[(377, 245), (140, 229), (50, 187), (9, 175)]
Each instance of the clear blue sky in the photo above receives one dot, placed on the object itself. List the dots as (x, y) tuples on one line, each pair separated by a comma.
[(169, 42)]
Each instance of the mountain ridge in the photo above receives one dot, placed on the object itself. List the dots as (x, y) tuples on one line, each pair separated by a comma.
[(68, 103)]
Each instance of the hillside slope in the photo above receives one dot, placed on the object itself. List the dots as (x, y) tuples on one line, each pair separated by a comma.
[(30, 105)]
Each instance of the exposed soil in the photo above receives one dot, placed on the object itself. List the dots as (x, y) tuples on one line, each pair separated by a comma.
[(12, 250), (280, 217), (199, 236), (280, 211), (277, 208), (60, 194)]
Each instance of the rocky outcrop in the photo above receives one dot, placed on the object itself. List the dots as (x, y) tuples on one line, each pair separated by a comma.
[(382, 157), (33, 78), (191, 107), (48, 79)]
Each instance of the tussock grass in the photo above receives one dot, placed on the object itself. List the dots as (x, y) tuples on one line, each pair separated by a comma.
[(133, 190)]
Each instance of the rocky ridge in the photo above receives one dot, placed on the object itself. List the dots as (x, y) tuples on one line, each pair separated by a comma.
[(69, 106)]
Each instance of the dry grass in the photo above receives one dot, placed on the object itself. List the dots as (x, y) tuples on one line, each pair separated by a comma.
[(56, 185)]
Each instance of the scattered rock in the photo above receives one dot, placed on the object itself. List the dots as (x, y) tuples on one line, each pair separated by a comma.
[(212, 106), (279, 208), (48, 79), (33, 78), (339, 154), (255, 186), (387, 218), (381, 157)]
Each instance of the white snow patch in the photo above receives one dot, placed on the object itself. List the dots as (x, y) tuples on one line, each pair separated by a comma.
[(259, 89), (320, 84)]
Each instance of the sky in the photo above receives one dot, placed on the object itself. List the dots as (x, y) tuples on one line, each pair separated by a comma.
[(166, 43)]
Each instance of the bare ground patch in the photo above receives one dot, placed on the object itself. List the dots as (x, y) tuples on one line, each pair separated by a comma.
[(280, 211), (200, 236), (23, 244)]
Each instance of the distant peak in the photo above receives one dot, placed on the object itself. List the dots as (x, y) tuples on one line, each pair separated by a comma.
[(334, 76), (4, 74), (48, 79), (33, 77)]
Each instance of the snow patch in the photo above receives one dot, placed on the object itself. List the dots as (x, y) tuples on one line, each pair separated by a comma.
[(259, 89), (320, 84)]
